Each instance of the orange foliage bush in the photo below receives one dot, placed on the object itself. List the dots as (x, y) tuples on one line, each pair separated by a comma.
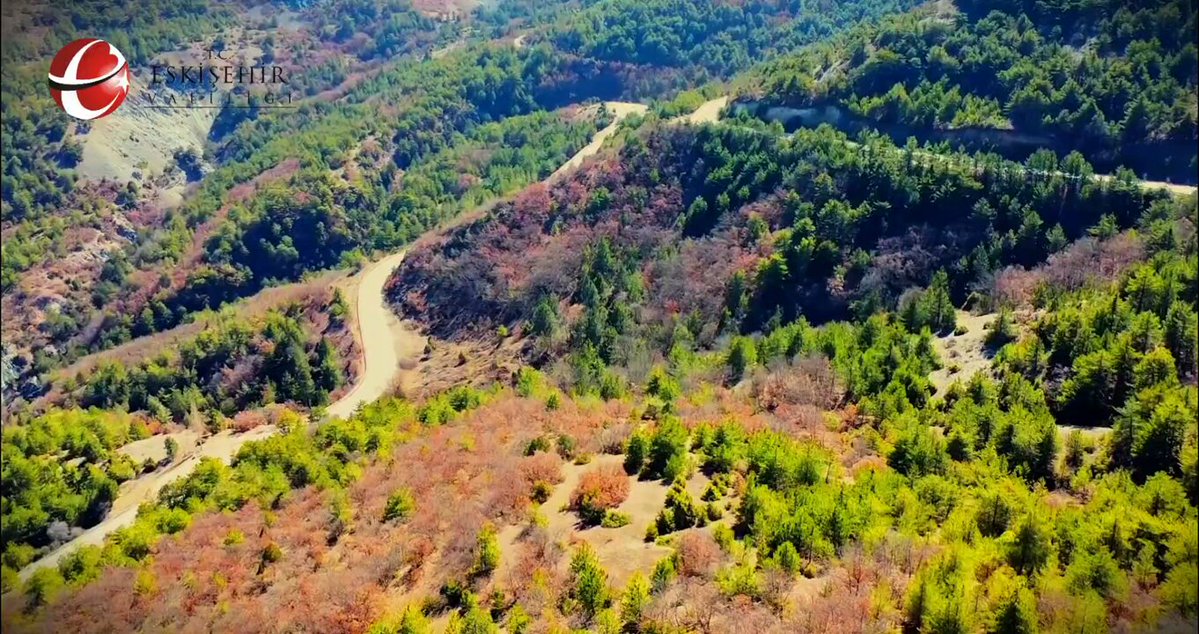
[(809, 382), (600, 489), (698, 554), (247, 420), (1084, 263), (542, 467)]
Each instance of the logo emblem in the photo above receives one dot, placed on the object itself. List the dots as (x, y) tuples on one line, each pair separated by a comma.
[(89, 79)]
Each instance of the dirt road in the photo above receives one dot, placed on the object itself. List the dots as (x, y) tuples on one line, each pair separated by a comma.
[(383, 338), (708, 112), (222, 446), (385, 342), (619, 110)]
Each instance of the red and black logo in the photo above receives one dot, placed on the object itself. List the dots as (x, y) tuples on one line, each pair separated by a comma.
[(89, 79)]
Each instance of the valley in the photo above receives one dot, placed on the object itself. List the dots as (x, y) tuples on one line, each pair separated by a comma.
[(653, 317), (389, 347)]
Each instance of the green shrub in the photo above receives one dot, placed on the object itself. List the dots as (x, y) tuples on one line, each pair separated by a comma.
[(540, 443), (616, 519), (487, 551), (400, 505), (272, 553)]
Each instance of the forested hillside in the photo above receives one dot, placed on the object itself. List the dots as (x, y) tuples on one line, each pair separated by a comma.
[(1038, 528), (719, 38), (390, 187), (58, 225), (299, 355), (742, 227), (666, 368), (1116, 82), (392, 108)]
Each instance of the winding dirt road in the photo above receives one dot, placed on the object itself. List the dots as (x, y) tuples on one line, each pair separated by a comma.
[(222, 446), (619, 110), (385, 341), (383, 338), (710, 111)]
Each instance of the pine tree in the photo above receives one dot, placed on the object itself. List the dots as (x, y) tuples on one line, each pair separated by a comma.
[(773, 282), (413, 622), (698, 220), (1002, 330), (636, 453), (478, 621), (942, 317), (743, 355), (545, 322), (1016, 615), (993, 516), (287, 366), (1182, 337), (1159, 444), (589, 581), (294, 374), (487, 551), (1155, 368), (1137, 123), (400, 505), (1075, 452), (338, 307), (915, 612), (328, 374), (735, 297), (787, 557), (1029, 551), (633, 604)]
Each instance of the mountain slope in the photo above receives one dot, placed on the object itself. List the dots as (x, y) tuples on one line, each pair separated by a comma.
[(1113, 82)]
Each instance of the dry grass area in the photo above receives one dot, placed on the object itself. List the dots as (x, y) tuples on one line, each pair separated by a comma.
[(130, 145), (473, 362), (623, 551), (963, 355), (709, 112), (154, 448)]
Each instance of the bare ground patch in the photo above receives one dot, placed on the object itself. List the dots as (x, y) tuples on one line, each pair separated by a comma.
[(154, 448), (963, 355)]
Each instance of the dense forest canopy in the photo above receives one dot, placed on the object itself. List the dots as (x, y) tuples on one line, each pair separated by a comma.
[(928, 368), (1115, 82), (721, 38)]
